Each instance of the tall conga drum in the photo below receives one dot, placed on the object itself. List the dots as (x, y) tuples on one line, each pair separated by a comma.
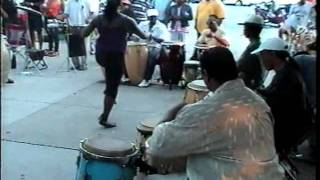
[(162, 166), (196, 91), (76, 43), (103, 158), (172, 57), (136, 61), (191, 70), (200, 48)]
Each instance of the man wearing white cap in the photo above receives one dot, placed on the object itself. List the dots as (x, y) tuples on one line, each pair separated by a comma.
[(285, 95), (158, 33), (249, 65)]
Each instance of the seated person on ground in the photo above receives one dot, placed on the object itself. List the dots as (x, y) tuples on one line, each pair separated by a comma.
[(227, 135), (214, 35), (158, 33)]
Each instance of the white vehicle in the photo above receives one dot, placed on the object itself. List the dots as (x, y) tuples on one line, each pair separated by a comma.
[(243, 2), (252, 2)]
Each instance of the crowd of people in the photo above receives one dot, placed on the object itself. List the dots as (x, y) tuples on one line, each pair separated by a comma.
[(240, 129)]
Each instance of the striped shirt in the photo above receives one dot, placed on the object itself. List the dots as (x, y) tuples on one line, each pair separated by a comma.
[(140, 8)]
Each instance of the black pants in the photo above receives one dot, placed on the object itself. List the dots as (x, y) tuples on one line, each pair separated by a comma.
[(113, 63), (35, 25), (53, 36)]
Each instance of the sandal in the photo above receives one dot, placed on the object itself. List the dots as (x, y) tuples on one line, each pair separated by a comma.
[(104, 123)]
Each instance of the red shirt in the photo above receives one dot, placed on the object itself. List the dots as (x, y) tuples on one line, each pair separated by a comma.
[(53, 8)]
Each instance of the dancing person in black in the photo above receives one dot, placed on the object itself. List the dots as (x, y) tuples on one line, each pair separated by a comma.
[(113, 28)]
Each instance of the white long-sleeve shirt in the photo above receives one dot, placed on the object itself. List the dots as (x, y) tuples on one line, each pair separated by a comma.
[(159, 30), (226, 136), (77, 12)]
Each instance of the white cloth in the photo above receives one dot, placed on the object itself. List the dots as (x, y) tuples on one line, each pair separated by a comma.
[(77, 11), (228, 135), (159, 30)]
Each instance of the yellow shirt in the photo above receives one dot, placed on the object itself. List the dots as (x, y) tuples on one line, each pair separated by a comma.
[(204, 9)]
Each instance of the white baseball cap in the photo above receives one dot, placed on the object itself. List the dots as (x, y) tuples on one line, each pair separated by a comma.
[(152, 12), (254, 19), (273, 44)]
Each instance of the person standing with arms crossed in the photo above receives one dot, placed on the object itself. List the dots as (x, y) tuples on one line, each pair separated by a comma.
[(113, 28)]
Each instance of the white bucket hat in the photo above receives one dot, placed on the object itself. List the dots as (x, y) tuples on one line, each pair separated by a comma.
[(254, 19), (152, 12), (273, 44)]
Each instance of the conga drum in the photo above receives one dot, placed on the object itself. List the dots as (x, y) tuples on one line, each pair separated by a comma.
[(106, 158), (5, 60), (136, 61), (145, 129), (76, 43), (191, 70), (172, 57), (162, 166), (196, 91), (200, 48)]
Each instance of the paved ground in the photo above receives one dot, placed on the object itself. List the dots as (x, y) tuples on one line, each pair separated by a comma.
[(44, 116)]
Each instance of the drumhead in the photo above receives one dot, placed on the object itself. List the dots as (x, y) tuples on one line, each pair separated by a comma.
[(198, 85), (107, 147), (191, 62), (203, 46), (133, 43), (147, 126), (171, 43)]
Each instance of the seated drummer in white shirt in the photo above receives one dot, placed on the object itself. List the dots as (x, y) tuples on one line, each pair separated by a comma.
[(158, 33)]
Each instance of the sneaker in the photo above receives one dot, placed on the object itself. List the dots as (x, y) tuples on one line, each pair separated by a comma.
[(10, 81), (144, 83), (124, 79), (82, 68)]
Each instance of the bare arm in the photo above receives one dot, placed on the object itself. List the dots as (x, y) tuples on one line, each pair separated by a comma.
[(172, 113), (133, 28), (88, 30)]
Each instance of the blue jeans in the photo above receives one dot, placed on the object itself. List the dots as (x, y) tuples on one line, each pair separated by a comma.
[(153, 60)]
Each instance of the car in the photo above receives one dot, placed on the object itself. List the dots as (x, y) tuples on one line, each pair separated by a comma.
[(194, 1)]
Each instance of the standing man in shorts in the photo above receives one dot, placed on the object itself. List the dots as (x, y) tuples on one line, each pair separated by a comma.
[(35, 21)]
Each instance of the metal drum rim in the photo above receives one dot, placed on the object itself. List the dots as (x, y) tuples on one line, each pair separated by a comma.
[(197, 88), (123, 160)]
